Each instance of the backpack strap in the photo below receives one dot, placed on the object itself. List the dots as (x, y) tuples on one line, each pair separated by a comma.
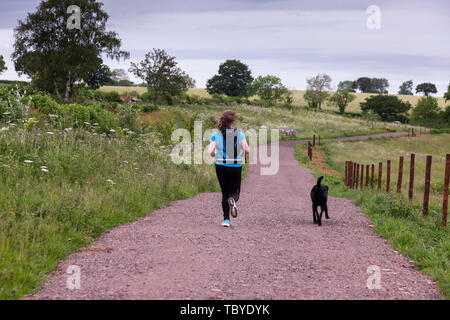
[(229, 159)]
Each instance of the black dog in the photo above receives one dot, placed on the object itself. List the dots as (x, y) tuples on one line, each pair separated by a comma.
[(319, 196)]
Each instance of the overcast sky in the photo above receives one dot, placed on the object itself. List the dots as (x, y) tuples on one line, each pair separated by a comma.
[(293, 39)]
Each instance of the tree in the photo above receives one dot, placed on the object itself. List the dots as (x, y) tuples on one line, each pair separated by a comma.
[(426, 111), (269, 88), (426, 88), (342, 98), (406, 88), (162, 75), (2, 65), (100, 77), (364, 84), (389, 108), (118, 75), (54, 56), (380, 85), (317, 90), (447, 94), (347, 85), (234, 79)]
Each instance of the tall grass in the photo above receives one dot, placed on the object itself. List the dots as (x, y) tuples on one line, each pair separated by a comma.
[(57, 197)]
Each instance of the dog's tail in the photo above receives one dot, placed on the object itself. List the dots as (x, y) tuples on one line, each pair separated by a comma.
[(319, 181)]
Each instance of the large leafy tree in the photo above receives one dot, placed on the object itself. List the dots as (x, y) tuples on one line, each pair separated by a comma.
[(161, 74), (269, 88), (3, 67), (447, 94), (426, 111), (317, 90), (347, 85), (100, 77), (364, 84), (389, 108), (406, 88), (342, 98), (426, 88), (380, 85), (234, 79), (54, 56)]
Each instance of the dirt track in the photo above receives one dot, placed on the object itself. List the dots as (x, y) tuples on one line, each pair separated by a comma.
[(272, 250)]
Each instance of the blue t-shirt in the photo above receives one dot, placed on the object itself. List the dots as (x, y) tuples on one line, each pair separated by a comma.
[(218, 138)]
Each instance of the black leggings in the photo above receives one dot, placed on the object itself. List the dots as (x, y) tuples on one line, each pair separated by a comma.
[(230, 184)]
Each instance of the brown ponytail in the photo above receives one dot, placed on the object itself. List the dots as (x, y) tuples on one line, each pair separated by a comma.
[(227, 118)]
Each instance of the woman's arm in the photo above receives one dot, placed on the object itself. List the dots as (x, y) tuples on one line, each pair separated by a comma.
[(245, 146), (212, 148)]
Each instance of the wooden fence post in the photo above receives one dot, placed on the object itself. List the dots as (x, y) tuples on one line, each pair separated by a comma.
[(446, 182), (357, 176), (309, 151), (388, 176), (353, 168), (346, 173), (426, 194), (371, 178), (411, 176), (400, 175), (380, 175), (350, 174), (367, 175), (314, 140), (362, 177)]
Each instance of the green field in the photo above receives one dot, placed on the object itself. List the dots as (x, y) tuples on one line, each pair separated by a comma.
[(373, 152), (353, 107)]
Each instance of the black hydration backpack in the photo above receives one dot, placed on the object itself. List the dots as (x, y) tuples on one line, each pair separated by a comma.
[(231, 142)]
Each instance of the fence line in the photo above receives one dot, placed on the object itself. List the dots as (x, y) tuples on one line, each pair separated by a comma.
[(354, 179)]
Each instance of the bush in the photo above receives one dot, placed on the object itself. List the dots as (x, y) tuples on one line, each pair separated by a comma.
[(128, 117), (112, 96), (12, 105), (146, 97), (46, 105), (149, 108), (77, 116), (389, 108), (83, 93)]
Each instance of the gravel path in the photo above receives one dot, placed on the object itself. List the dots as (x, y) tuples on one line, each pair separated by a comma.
[(272, 250)]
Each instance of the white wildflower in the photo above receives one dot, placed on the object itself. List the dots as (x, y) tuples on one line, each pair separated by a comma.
[(28, 161), (53, 115), (68, 129), (50, 133), (110, 181), (44, 170)]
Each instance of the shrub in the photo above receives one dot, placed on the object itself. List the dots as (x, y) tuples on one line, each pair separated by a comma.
[(112, 96), (46, 105), (146, 97), (389, 108), (149, 108), (128, 117)]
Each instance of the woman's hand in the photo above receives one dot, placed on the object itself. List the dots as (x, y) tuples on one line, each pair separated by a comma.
[(212, 148)]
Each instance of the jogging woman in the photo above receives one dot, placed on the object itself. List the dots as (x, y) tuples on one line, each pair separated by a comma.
[(226, 145)]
